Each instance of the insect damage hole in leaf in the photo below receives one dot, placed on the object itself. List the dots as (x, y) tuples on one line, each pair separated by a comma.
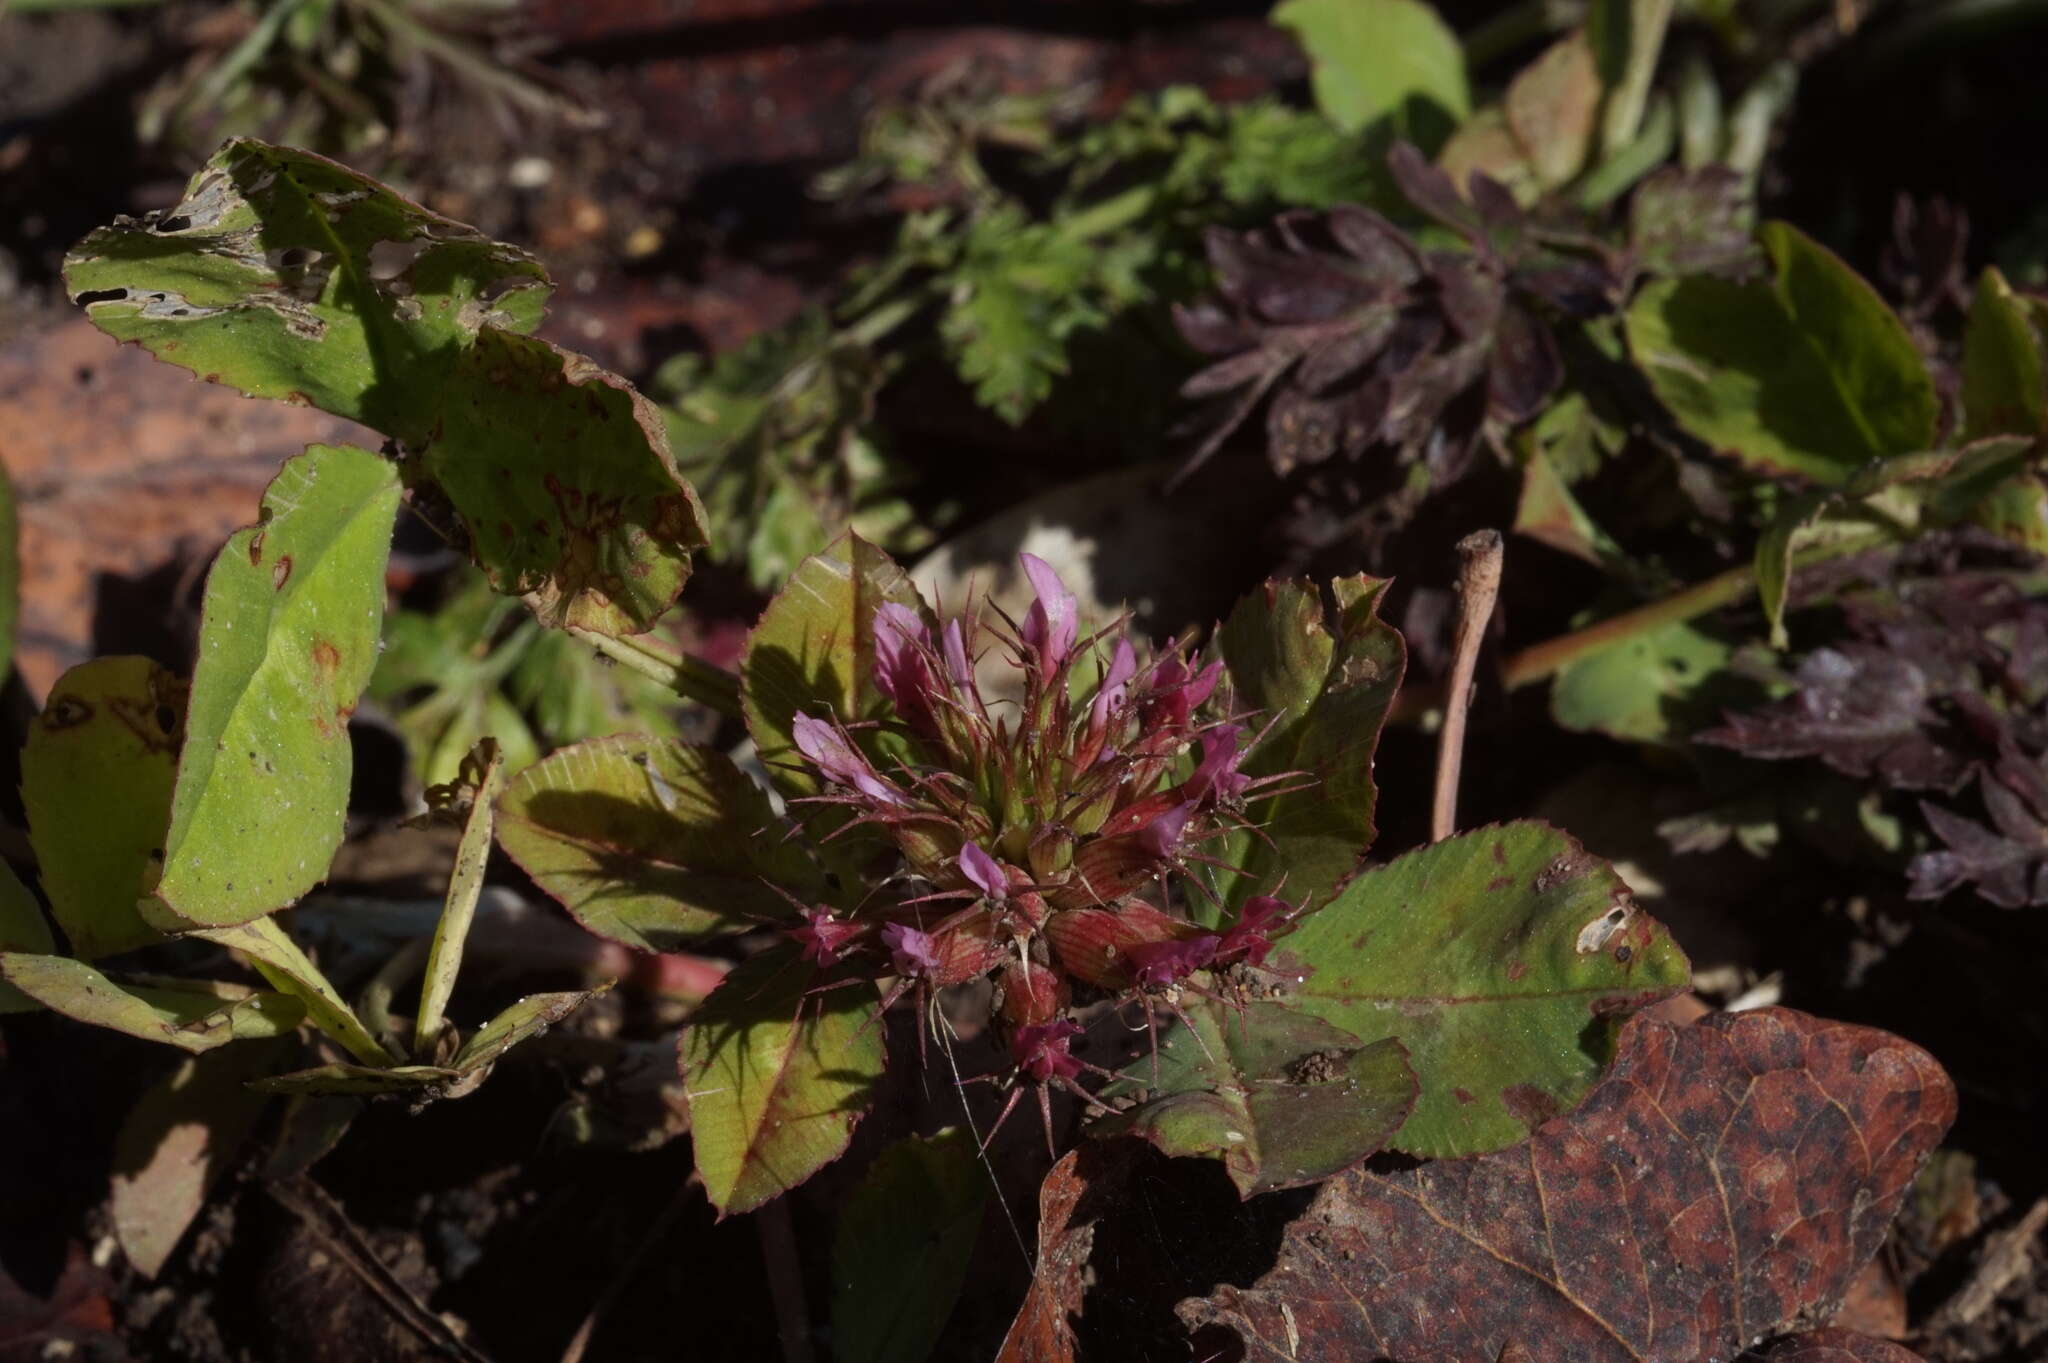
[(263, 278)]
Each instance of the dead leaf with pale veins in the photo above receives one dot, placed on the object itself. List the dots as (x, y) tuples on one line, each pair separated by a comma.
[(1720, 1187)]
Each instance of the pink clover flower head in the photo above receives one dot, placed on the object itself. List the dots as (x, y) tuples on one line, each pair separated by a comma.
[(829, 750), (1054, 618), (1162, 836), (1154, 965), (1250, 938), (1123, 665), (984, 872), (911, 950), (1040, 1049), (824, 937), (902, 644), (1216, 777)]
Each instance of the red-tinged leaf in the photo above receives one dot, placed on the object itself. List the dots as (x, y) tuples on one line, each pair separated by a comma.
[(780, 1066), (1722, 1186), (1838, 1346)]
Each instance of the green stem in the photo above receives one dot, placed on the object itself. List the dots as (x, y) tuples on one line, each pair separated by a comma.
[(1541, 661), (690, 678), (1516, 25)]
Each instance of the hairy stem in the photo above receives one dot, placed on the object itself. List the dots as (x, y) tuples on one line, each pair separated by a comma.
[(690, 678), (1479, 555)]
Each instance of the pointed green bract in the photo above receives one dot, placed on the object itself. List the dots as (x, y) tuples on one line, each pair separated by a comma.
[(195, 1017), (1280, 1096), (814, 650), (288, 276), (1321, 688), (286, 643), (779, 1070), (562, 475), (1500, 958), (96, 777), (2005, 387), (651, 842), (1807, 372), (905, 1240)]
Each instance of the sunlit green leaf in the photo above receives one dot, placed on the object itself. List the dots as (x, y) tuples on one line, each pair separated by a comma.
[(1806, 373), (1280, 1096), (780, 1067), (1382, 59), (1500, 958), (288, 276), (96, 777), (287, 641), (651, 842)]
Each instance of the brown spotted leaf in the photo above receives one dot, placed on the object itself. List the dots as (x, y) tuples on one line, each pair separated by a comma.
[(1720, 1187), (562, 475)]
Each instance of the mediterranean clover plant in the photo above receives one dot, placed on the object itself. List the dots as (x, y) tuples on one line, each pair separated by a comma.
[(1098, 826)]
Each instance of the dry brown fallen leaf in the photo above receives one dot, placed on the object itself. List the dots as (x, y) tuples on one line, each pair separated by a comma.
[(1721, 1186)]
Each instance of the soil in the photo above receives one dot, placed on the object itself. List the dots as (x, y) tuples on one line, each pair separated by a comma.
[(557, 1196)]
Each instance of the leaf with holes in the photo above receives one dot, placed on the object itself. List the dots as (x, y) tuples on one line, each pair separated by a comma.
[(1321, 687), (1281, 1097), (1722, 1186), (814, 650), (1805, 373), (562, 476), (287, 641), (1500, 958), (781, 1063), (288, 276), (651, 842), (96, 778)]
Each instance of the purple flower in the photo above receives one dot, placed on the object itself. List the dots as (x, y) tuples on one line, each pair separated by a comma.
[(823, 936), (1216, 777), (984, 872), (1123, 665), (1177, 693), (1040, 1049), (1054, 618), (831, 752), (1249, 939), (911, 950), (1161, 837), (902, 646), (1157, 964), (953, 644)]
